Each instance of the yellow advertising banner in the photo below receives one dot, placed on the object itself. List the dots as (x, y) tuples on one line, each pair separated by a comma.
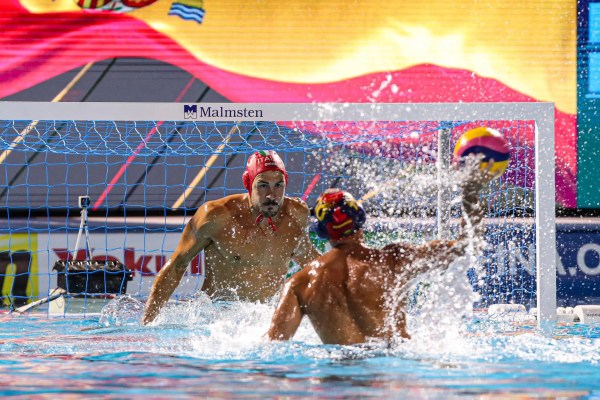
[(18, 268)]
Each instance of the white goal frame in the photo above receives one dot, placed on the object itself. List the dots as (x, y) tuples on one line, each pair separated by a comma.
[(541, 113)]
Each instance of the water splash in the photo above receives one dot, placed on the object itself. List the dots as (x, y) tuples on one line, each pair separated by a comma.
[(226, 329), (122, 311)]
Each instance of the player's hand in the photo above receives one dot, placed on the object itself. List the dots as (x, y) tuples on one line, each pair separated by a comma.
[(476, 177)]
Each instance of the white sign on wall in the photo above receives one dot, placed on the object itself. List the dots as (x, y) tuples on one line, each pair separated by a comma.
[(143, 253)]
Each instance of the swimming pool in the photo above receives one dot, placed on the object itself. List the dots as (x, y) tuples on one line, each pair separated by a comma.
[(216, 350)]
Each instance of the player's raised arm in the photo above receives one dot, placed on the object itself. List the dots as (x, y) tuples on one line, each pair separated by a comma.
[(412, 260), (476, 180), (438, 253), (195, 237)]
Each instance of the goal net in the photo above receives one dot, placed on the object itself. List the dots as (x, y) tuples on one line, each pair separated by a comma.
[(147, 168)]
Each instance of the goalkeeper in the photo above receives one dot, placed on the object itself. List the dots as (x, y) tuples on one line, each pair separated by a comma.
[(343, 292), (248, 239)]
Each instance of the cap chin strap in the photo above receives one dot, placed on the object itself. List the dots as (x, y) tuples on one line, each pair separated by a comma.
[(269, 222)]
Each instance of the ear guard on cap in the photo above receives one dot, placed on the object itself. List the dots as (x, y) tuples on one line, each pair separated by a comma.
[(246, 181), (338, 214)]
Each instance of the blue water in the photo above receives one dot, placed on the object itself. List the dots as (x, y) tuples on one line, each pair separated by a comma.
[(213, 351)]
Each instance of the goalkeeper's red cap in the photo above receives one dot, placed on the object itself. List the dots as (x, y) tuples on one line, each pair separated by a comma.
[(260, 162)]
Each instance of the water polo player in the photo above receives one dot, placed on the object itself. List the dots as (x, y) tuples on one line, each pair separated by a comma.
[(248, 239), (343, 292)]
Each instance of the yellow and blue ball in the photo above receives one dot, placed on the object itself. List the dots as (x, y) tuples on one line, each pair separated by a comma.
[(486, 141)]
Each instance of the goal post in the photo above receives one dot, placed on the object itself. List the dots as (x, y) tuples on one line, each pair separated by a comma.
[(202, 139)]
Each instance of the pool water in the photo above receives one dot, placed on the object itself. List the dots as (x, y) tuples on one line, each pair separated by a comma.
[(217, 350)]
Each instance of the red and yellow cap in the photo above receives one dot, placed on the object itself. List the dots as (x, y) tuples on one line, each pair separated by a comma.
[(338, 214)]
